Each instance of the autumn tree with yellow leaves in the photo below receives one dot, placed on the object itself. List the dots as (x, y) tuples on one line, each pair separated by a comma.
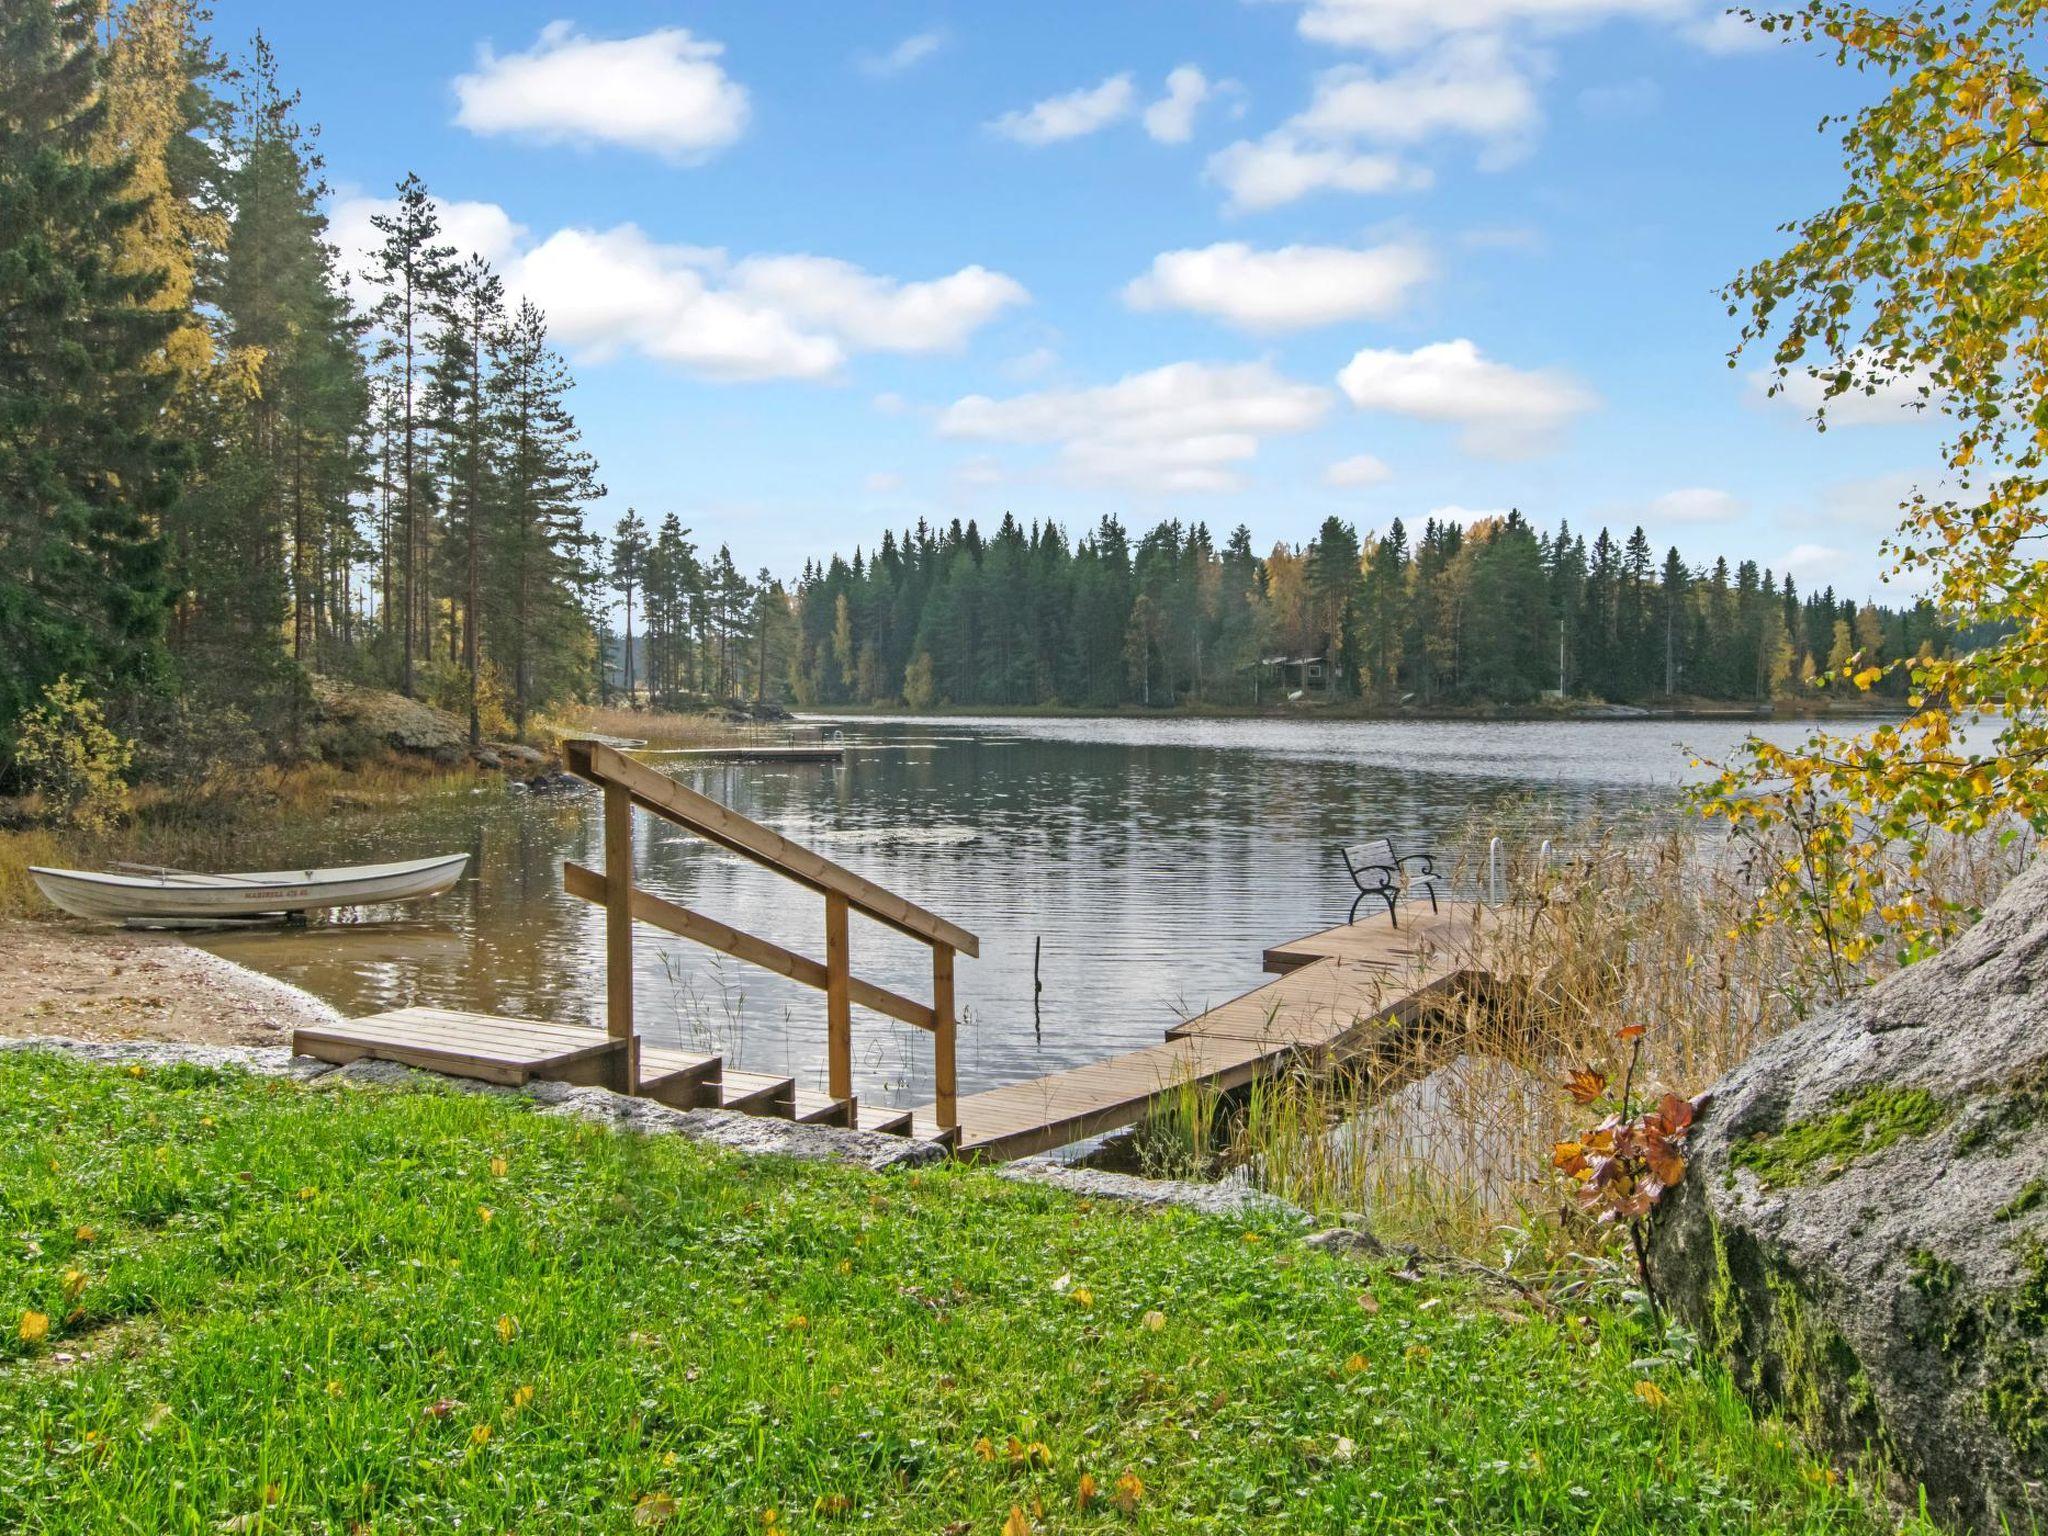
[(1925, 282)]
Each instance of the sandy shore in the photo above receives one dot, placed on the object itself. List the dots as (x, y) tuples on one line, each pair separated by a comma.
[(87, 983)]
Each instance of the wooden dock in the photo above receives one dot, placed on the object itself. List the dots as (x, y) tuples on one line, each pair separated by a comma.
[(820, 752), (1333, 987)]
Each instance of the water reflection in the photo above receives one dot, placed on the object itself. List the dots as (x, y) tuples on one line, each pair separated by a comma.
[(1153, 860)]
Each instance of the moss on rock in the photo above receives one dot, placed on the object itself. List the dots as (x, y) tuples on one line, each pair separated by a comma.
[(1860, 1124)]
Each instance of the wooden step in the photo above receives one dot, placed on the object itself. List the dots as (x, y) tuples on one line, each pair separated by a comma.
[(679, 1079), (494, 1050), (883, 1119), (823, 1109), (758, 1094)]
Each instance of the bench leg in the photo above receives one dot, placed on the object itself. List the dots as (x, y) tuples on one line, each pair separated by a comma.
[(1362, 894), (1392, 916)]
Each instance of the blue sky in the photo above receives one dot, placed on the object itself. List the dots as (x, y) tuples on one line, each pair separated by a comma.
[(824, 268)]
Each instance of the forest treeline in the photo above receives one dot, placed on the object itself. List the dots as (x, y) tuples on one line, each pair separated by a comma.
[(227, 464), (1491, 612)]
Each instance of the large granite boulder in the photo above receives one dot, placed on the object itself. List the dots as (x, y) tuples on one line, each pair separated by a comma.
[(1863, 1231)]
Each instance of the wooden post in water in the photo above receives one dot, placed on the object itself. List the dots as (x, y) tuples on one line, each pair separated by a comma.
[(943, 1078), (838, 1000)]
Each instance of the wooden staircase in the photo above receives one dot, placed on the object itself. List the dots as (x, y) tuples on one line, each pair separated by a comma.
[(521, 1050), (518, 1051)]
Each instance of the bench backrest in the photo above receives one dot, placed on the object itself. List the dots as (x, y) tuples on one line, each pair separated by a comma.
[(1378, 853)]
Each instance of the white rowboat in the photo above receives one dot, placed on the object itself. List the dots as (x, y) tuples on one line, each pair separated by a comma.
[(177, 895)]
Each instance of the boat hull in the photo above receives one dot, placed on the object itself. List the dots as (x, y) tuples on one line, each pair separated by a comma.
[(269, 893)]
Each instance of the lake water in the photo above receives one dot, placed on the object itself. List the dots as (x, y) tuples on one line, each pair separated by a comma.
[(1149, 863)]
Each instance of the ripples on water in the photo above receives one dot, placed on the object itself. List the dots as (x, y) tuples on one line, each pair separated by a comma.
[(1154, 859)]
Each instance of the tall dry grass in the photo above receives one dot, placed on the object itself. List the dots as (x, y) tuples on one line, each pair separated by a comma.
[(1440, 1131), (661, 728)]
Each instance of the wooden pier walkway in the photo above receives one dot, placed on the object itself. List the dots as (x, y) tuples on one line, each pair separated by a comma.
[(1333, 987)]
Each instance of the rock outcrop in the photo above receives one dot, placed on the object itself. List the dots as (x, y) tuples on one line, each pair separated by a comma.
[(1863, 1231)]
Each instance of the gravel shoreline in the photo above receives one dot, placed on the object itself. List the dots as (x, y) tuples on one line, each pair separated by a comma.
[(110, 984)]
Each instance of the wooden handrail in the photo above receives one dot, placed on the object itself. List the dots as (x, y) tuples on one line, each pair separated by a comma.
[(709, 931), (721, 824), (627, 783)]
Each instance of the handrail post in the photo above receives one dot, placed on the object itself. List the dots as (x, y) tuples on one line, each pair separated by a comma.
[(838, 1000), (943, 1078), (618, 917)]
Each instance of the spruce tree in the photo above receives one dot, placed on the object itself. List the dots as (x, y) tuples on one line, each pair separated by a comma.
[(88, 464)]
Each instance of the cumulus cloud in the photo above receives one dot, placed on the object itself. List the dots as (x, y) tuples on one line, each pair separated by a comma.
[(1070, 116), (664, 92), (906, 55), (1895, 401), (1171, 119), (1465, 517), (1389, 26), (1469, 86), (1694, 504), (1356, 472), (615, 290), (1504, 412), (1184, 427), (1286, 289), (1281, 168), (1358, 119), (883, 482)]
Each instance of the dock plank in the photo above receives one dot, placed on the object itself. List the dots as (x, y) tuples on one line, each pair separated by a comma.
[(1330, 988)]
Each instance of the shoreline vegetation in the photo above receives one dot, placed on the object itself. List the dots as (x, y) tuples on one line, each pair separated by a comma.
[(1576, 710)]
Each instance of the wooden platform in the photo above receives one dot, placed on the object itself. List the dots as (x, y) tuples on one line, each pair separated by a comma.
[(826, 752), (1334, 985)]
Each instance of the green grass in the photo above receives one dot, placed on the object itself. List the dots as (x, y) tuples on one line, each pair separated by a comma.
[(288, 1311)]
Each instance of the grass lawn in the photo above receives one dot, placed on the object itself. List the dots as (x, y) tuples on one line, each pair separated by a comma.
[(275, 1309)]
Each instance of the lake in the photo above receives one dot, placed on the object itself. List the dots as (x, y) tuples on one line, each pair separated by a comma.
[(1147, 862)]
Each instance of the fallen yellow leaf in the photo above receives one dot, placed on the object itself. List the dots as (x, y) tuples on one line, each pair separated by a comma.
[(1128, 1491), (1084, 1494), (507, 1326), (1016, 1525), (653, 1509), (1154, 1321), (1653, 1396), (34, 1327)]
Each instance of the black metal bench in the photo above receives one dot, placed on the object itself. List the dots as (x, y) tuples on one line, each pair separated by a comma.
[(1377, 870)]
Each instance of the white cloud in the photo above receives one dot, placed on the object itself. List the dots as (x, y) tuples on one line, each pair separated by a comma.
[(1070, 116), (1184, 427), (1360, 470), (1285, 289), (763, 317), (1893, 403), (1171, 119), (1812, 562), (663, 91), (1035, 364), (979, 472), (1468, 86), (879, 314), (1694, 504), (1504, 412), (908, 54), (1394, 25), (1725, 32), (883, 482), (1281, 168)]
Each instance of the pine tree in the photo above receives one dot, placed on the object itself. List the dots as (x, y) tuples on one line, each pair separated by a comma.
[(472, 316), (89, 466), (412, 268), (628, 568)]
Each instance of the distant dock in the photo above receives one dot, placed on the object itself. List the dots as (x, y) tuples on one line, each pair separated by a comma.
[(820, 752)]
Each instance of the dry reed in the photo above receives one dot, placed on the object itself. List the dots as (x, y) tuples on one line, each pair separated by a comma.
[(1439, 1131)]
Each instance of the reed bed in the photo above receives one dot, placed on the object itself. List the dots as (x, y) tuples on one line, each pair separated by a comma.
[(1440, 1131), (663, 728)]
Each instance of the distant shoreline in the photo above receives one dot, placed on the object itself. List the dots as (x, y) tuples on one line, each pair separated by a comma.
[(1346, 712)]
